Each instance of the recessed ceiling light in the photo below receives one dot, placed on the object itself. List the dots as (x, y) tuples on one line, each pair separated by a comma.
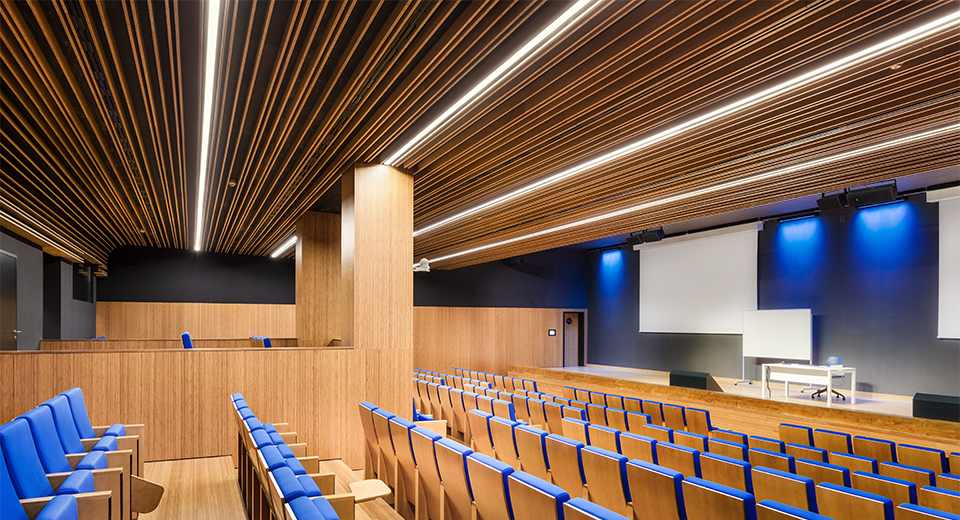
[(284, 246), (209, 75)]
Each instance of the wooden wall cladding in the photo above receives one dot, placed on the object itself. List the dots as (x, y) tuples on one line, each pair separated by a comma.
[(486, 339), (157, 344), (147, 320), (318, 279), (182, 396)]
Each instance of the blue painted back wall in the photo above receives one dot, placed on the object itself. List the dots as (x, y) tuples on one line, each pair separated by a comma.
[(869, 275)]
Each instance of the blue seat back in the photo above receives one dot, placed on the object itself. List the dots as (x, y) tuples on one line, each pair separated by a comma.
[(521, 483), (793, 512), (719, 497), (79, 408), (485, 468), (26, 472), (66, 426), (187, 342), (45, 437), (587, 509)]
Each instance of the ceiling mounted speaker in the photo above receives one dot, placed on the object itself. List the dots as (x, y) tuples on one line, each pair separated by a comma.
[(830, 202), (873, 195), (634, 240), (652, 235)]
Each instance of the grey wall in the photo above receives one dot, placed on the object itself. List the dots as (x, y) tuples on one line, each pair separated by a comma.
[(29, 289), (78, 319)]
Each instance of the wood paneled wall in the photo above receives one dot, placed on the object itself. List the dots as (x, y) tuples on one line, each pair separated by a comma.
[(182, 396), (158, 344), (486, 339), (142, 320), (318, 279)]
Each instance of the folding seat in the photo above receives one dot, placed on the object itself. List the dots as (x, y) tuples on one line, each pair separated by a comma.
[(452, 464), (538, 415), (726, 470), (854, 462), (74, 441), (661, 433), (657, 492), (532, 450), (938, 498), (673, 417), (681, 458), (556, 413), (186, 340), (638, 447), (387, 456), (63, 507), (480, 428), (433, 395), (520, 408), (615, 401), (734, 450), (895, 489), (431, 500), (912, 512), (822, 472), (30, 481), (803, 451), (948, 481), (635, 421), (766, 443), (597, 414), (770, 510), (843, 503), (574, 407), (504, 442), (566, 463), (512, 384), (577, 430), (530, 385), (929, 458), (792, 433), (698, 421), (729, 435), (580, 509), (459, 413), (919, 476), (654, 410), (632, 404), (498, 382), (488, 480), (446, 405), (532, 497), (787, 488), (597, 398), (604, 437), (406, 486), (772, 459), (881, 450), (833, 441), (570, 392), (580, 395), (954, 463), (372, 453), (617, 418), (504, 409), (605, 473), (691, 440), (423, 398), (704, 500), (485, 403)]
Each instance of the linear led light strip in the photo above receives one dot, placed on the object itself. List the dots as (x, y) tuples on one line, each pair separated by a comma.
[(704, 191), (62, 246), (533, 47), (776, 90), (284, 246), (210, 60)]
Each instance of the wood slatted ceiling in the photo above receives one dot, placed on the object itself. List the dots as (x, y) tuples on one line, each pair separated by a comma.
[(99, 124)]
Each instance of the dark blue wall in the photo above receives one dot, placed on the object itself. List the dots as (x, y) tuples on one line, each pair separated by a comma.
[(870, 277)]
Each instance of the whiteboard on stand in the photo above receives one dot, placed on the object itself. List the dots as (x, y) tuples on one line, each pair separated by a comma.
[(778, 334)]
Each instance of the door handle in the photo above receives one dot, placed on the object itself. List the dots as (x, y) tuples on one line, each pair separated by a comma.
[(15, 331)]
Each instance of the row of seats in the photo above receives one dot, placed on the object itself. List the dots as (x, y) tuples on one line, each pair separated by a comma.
[(258, 341), (500, 382), (53, 451), (449, 380)]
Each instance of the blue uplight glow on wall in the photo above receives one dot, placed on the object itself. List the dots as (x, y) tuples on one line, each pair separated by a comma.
[(613, 272), (800, 246), (884, 236)]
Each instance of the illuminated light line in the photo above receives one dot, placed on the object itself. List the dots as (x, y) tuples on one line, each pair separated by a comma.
[(533, 47), (704, 191), (210, 59), (764, 95), (284, 246)]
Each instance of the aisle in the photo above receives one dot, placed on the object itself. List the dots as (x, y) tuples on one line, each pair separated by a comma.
[(196, 489)]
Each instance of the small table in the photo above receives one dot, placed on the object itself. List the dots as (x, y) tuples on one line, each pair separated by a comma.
[(810, 374)]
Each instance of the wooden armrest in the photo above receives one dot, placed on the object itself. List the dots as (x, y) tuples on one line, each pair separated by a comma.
[(434, 426), (56, 479), (327, 482), (75, 458), (88, 444), (299, 449), (369, 489), (281, 427), (33, 506), (145, 495), (344, 504), (90, 506), (289, 437), (311, 464)]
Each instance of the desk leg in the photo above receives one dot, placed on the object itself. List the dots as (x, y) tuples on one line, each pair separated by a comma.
[(829, 391), (853, 387)]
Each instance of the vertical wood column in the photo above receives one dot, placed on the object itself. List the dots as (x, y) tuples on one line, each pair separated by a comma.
[(377, 280), (318, 279)]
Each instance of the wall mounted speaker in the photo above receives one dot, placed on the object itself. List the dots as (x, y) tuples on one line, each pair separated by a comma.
[(652, 235), (834, 201), (634, 240), (874, 195)]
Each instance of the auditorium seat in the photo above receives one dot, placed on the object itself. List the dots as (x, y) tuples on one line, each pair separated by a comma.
[(532, 497), (615, 402), (792, 433), (580, 395), (897, 490), (424, 453), (879, 449), (803, 451), (480, 429), (681, 458), (597, 414), (833, 441), (186, 340), (661, 433), (673, 417), (632, 404), (734, 450), (656, 491), (954, 463), (938, 498), (698, 421), (655, 411), (691, 440), (570, 392), (597, 398), (638, 447), (605, 473), (574, 411), (617, 418), (706, 500), (532, 450), (459, 414), (929, 458), (770, 510), (914, 512), (636, 420), (446, 405), (787, 488), (554, 414), (504, 443), (387, 453), (580, 509), (63, 507), (538, 415), (727, 471), (823, 472), (577, 430), (485, 403), (729, 435), (488, 479), (604, 437), (406, 488), (766, 443), (520, 408), (948, 481), (919, 476), (70, 435), (504, 409), (452, 464), (844, 503), (372, 452), (854, 462), (772, 459), (566, 463)]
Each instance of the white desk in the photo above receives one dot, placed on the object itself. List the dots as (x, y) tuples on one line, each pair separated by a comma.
[(810, 374)]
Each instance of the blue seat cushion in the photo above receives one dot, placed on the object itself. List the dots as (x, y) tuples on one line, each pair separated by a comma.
[(304, 509), (276, 438), (309, 486), (60, 508), (106, 444), (236, 396), (116, 430), (295, 466), (245, 413), (272, 458), (93, 460), (289, 486), (594, 510), (254, 424), (261, 439), (77, 482), (79, 409), (285, 451), (46, 440), (270, 428), (326, 510)]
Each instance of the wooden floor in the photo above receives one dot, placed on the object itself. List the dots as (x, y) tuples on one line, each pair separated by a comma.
[(207, 488)]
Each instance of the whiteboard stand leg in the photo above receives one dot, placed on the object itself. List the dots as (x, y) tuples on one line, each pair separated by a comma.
[(743, 375)]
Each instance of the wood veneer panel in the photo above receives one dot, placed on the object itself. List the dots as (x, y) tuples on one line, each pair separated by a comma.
[(149, 320), (318, 279)]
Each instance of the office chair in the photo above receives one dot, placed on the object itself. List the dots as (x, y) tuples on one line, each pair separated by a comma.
[(832, 361)]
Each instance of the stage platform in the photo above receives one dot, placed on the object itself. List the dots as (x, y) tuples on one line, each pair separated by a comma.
[(741, 408)]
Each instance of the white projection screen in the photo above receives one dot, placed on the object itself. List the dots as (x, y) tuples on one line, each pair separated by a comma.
[(699, 283), (778, 334), (949, 286)]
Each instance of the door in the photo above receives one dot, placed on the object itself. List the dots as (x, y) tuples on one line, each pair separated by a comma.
[(8, 301), (571, 339)]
